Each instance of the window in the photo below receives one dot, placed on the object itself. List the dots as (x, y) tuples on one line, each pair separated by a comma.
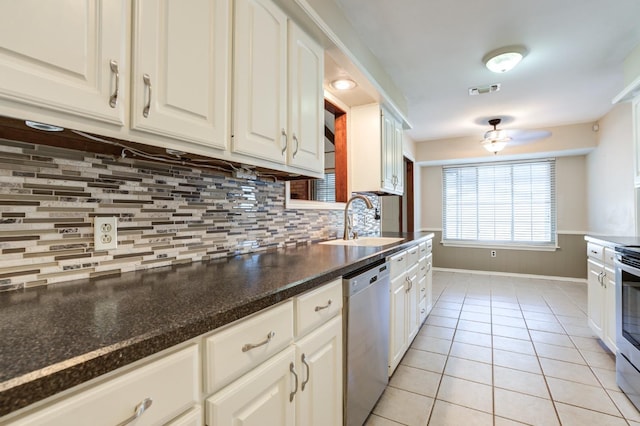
[(500, 203)]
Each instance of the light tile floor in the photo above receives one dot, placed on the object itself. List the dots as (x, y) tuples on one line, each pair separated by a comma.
[(500, 351)]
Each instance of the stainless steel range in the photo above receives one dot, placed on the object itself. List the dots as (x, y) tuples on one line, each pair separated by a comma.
[(628, 321)]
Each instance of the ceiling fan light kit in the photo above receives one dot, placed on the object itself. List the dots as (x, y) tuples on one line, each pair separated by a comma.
[(495, 140), (504, 59)]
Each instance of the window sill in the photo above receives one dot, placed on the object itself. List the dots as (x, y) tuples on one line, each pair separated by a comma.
[(502, 246)]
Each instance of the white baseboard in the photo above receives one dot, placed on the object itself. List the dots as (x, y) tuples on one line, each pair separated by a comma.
[(512, 274)]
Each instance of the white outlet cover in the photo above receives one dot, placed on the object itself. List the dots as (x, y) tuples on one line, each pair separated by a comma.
[(105, 233)]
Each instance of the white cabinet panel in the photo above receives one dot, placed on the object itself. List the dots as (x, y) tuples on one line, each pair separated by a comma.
[(181, 62), (319, 361), (260, 80), (58, 55), (260, 397), (306, 102)]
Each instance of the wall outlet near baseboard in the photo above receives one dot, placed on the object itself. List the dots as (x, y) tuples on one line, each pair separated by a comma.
[(105, 233), (493, 253)]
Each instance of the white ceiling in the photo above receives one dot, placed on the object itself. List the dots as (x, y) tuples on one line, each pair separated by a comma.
[(433, 50)]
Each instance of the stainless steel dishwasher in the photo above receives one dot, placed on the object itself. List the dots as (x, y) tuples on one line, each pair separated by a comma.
[(366, 293)]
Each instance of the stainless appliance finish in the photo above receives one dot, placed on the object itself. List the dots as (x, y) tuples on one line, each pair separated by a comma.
[(628, 322), (366, 335)]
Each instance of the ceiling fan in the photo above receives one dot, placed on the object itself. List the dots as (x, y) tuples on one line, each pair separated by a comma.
[(496, 139)]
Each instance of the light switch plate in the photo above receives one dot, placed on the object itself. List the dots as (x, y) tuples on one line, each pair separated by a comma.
[(105, 233)]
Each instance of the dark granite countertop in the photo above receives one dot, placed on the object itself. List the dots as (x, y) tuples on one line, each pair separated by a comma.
[(56, 337), (612, 241)]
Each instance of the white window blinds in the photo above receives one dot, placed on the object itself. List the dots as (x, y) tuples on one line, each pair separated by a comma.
[(504, 203)]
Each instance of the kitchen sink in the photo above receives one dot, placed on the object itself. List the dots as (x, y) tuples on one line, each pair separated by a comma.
[(364, 241)]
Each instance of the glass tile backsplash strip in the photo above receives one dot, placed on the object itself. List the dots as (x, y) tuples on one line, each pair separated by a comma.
[(166, 214)]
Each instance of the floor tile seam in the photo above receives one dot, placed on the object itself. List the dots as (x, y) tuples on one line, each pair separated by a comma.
[(464, 406), (410, 391), (387, 418), (621, 416), (469, 380), (512, 420)]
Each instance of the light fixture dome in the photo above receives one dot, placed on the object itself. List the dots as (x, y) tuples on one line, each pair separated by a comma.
[(504, 59), (343, 84)]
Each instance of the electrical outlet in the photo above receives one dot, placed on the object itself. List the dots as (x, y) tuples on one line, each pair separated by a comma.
[(105, 233), (493, 253)]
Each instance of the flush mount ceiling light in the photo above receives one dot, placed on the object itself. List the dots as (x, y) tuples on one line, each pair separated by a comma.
[(495, 140), (343, 84), (504, 59), (42, 126)]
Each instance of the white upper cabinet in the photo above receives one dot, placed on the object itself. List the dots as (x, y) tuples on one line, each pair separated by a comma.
[(377, 163), (260, 80), (181, 62), (306, 102), (66, 58), (278, 104)]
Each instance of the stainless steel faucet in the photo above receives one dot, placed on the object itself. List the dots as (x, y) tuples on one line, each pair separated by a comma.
[(348, 226)]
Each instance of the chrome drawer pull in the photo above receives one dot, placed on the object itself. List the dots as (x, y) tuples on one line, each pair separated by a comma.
[(319, 308), (286, 142), (295, 390), (147, 83), (295, 139), (140, 410), (250, 346), (304, 361), (113, 100)]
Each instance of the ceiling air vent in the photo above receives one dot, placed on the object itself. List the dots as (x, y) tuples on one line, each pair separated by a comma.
[(481, 90)]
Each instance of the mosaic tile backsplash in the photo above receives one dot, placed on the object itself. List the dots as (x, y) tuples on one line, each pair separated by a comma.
[(166, 215)]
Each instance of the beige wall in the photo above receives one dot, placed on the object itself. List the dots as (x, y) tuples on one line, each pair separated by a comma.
[(571, 195), (573, 139), (567, 261), (610, 188)]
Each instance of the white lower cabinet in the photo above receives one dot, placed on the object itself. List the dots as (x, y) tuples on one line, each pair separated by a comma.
[(406, 296), (264, 396), (300, 385), (192, 417), (601, 292), (171, 383)]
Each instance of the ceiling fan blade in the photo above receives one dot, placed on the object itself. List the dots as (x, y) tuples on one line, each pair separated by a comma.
[(524, 136)]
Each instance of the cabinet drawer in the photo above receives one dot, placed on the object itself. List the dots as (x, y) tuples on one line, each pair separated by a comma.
[(246, 343), (422, 287), (413, 255), (425, 248), (317, 306), (171, 382), (595, 251), (398, 264), (193, 417), (609, 256), (423, 269)]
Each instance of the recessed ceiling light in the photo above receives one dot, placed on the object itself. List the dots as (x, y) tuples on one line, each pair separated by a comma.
[(504, 59), (42, 126), (343, 84)]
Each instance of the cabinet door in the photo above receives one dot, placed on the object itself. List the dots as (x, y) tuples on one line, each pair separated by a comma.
[(398, 155), (260, 397), (594, 296), (306, 102), (58, 54), (609, 310), (397, 322), (260, 76), (413, 302), (429, 284), (181, 60), (319, 362), (388, 153), (636, 138)]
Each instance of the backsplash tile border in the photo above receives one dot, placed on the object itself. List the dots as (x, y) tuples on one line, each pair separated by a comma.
[(167, 214)]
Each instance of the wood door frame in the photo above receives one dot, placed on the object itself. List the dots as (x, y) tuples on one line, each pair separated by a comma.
[(409, 194), (340, 144)]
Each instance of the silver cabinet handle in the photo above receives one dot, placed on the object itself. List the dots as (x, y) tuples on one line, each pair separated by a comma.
[(295, 390), (286, 144), (422, 311), (428, 267), (250, 346), (147, 84), (113, 100), (295, 139), (319, 308), (304, 361), (140, 410)]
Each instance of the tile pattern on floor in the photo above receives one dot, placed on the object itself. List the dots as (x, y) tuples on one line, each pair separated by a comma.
[(499, 350)]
